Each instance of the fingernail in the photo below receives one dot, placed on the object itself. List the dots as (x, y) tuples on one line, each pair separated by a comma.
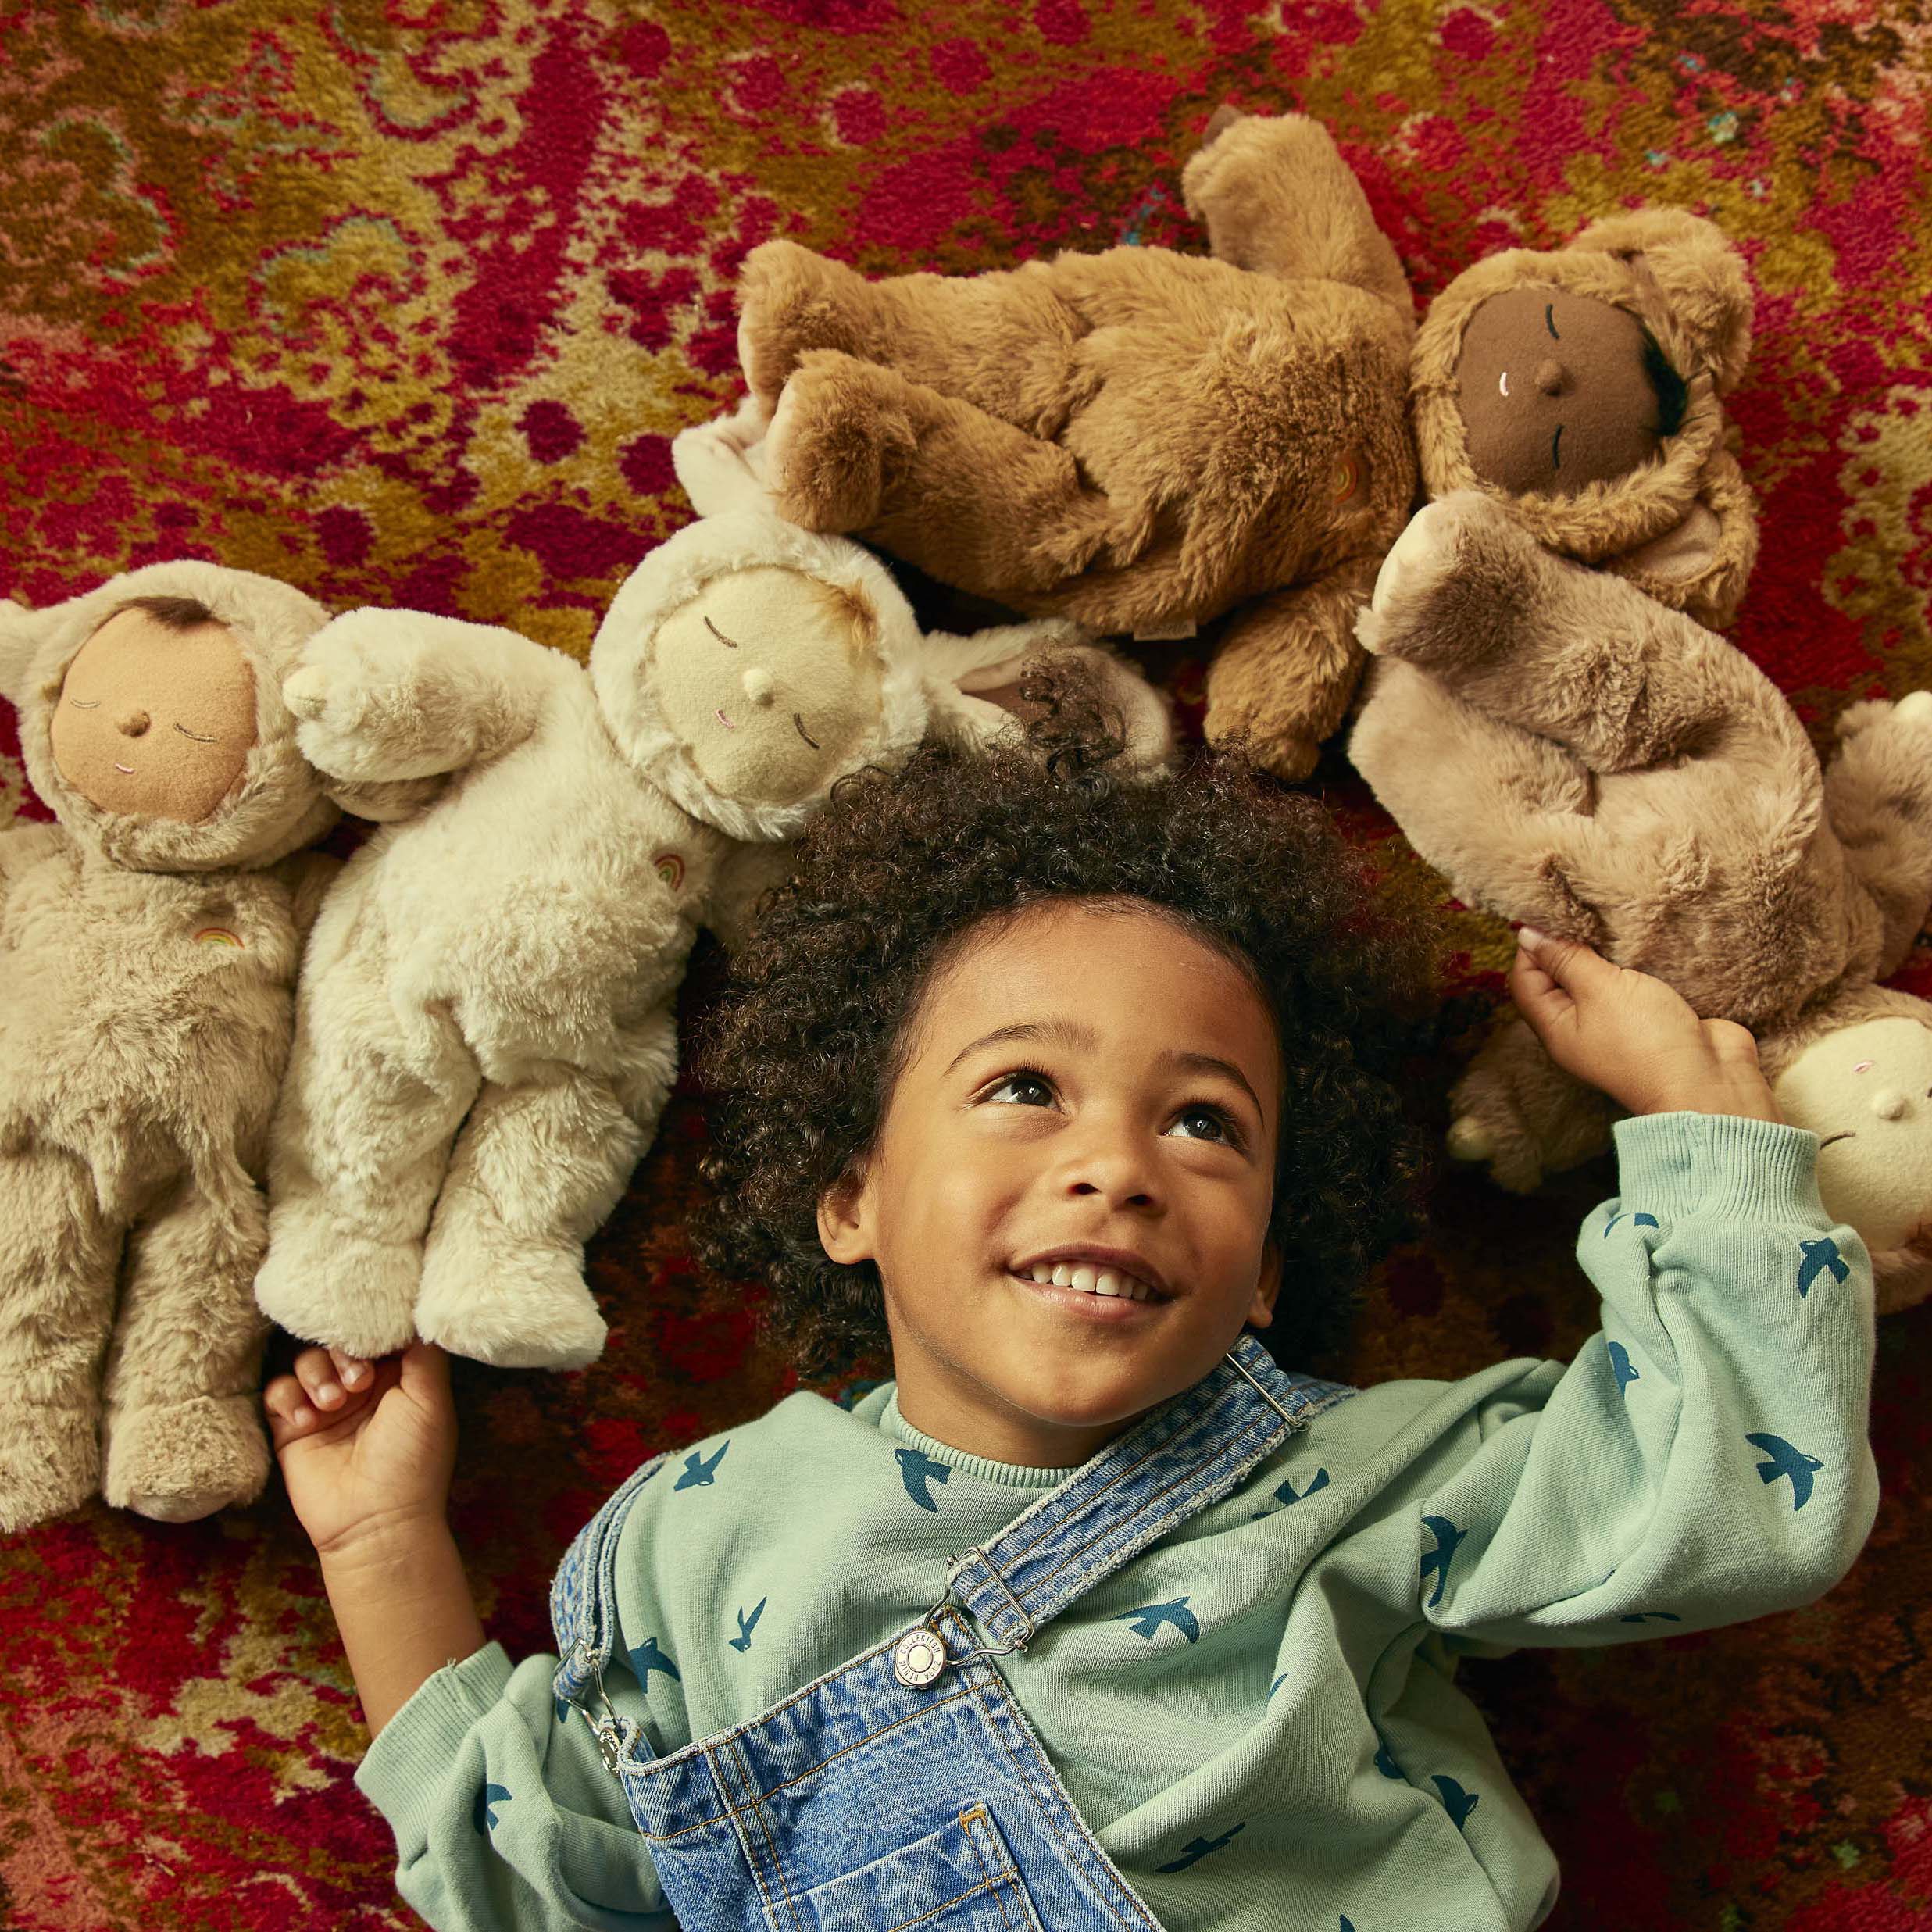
[(354, 1374), (328, 1394), (1530, 938), (302, 1417)]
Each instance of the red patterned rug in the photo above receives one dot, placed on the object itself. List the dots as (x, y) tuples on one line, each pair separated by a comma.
[(401, 300)]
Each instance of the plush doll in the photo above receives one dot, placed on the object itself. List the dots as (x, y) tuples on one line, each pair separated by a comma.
[(507, 964), (1144, 441), (148, 943), (1574, 755), (1584, 386)]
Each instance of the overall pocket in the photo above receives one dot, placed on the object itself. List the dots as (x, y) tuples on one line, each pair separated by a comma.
[(960, 1878)]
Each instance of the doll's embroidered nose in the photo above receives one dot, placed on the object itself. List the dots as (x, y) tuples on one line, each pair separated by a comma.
[(1889, 1103), (758, 686), (1551, 377), (133, 723)]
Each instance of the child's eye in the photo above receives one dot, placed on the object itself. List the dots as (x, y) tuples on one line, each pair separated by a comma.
[(1021, 1089), (1207, 1123)]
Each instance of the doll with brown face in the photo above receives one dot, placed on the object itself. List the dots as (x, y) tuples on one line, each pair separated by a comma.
[(150, 940), (1581, 388)]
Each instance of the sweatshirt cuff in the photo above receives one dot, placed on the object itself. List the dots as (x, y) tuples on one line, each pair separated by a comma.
[(403, 1772), (1720, 1166)]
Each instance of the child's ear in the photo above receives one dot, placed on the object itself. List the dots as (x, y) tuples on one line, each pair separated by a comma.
[(846, 1219), (1261, 1310)]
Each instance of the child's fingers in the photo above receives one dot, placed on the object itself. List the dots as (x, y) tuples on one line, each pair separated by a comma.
[(322, 1376), (425, 1374), (1576, 967), (1538, 997), (351, 1371), (290, 1416)]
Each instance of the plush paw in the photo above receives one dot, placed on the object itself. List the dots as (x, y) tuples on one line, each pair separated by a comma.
[(824, 453), (324, 1283), (50, 1462), (1453, 583), (179, 1461), (341, 693), (513, 1304), (1469, 1140)]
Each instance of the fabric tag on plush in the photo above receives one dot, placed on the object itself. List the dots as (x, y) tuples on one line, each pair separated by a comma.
[(1164, 634)]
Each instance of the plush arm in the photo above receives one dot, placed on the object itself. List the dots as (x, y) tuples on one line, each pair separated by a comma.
[(1288, 666), (393, 694), (1878, 796)]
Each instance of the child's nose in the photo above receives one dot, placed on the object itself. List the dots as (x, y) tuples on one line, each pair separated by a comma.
[(132, 723)]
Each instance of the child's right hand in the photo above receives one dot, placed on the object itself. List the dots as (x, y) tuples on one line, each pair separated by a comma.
[(1632, 1036), (367, 1448)]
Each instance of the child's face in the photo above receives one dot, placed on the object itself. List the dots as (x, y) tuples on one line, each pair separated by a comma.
[(1090, 1093)]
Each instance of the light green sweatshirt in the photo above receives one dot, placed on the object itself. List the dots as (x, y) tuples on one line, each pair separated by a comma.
[(1258, 1715)]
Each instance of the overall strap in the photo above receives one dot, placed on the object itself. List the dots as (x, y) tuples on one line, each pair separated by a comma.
[(1178, 1460)]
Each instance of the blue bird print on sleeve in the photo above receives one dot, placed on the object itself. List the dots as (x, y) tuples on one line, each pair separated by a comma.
[(1786, 1460), (915, 1471), (1448, 1540), (1196, 1849), (1636, 1220), (1384, 1760), (746, 1624), (647, 1657), (1621, 1366), (1149, 1617), (698, 1473), (1817, 1258), (482, 1812), (1285, 1493), (1456, 1802)]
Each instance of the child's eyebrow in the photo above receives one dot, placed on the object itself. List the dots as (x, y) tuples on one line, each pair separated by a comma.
[(1072, 1033)]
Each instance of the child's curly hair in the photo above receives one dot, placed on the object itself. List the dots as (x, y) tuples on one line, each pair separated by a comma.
[(900, 867)]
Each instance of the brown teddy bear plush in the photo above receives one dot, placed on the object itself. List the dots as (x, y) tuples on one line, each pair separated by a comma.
[(1584, 387), (1573, 754), (1140, 441), (149, 947)]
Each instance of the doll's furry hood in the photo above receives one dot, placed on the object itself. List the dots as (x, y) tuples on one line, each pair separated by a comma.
[(1682, 527), (276, 806), (675, 572)]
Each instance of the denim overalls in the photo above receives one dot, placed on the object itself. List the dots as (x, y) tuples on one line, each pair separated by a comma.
[(906, 1788)]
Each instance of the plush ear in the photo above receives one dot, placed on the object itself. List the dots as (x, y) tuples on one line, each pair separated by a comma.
[(976, 690), (721, 463), (1698, 275), (21, 630)]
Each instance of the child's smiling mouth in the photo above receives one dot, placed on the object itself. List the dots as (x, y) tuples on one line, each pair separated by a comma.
[(1095, 1280)]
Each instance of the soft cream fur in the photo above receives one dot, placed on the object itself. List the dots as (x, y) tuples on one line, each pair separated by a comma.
[(139, 1070), (1144, 441), (1574, 756), (502, 972), (1684, 527)]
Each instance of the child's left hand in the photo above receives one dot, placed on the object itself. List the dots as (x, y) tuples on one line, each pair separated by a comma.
[(1632, 1036)]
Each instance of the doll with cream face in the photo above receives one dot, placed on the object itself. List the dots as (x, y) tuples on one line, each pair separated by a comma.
[(486, 1032)]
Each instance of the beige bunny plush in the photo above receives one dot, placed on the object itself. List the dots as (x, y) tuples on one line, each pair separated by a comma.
[(148, 946), (1573, 754), (486, 1029)]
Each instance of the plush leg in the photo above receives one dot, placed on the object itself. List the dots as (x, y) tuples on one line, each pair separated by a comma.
[(1878, 794), (1001, 342), (1285, 668), (943, 486), (59, 1259), (537, 1168), (1278, 198), (1572, 654), (1517, 1110), (181, 1437), (360, 1144)]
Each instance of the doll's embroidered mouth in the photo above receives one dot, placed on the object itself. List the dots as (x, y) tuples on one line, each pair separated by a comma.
[(128, 769), (726, 722)]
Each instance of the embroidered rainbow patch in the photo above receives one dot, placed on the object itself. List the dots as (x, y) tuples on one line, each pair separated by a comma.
[(670, 869), (219, 935)]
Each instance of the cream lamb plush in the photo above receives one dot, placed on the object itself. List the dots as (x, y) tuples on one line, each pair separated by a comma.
[(501, 973)]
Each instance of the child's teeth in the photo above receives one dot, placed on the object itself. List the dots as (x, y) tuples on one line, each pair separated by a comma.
[(1061, 1274), (1140, 1290), (1107, 1282), (1041, 1272), (1083, 1279)]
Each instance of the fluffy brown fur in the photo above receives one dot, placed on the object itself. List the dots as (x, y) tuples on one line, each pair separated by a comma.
[(1144, 441), (1574, 755), (1683, 528)]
